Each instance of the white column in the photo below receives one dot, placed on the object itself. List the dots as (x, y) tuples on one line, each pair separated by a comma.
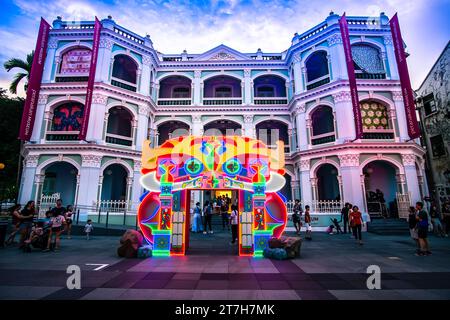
[(50, 60), (39, 120), (197, 126), (97, 119), (351, 180), (300, 124), (292, 139), (412, 182), (27, 179), (142, 126), (249, 127), (145, 76), (298, 79), (196, 94), (390, 55), (401, 115), (103, 60), (247, 86), (337, 56), (344, 116), (89, 183), (38, 184), (305, 183), (137, 189)]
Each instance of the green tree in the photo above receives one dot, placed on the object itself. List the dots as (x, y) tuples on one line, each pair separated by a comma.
[(25, 65)]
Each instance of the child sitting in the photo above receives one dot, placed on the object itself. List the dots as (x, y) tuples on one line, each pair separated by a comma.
[(36, 231)]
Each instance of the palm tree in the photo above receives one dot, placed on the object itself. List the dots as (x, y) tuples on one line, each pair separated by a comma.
[(25, 66)]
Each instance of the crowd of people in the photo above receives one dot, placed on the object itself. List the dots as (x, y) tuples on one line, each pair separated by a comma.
[(202, 217), (44, 233)]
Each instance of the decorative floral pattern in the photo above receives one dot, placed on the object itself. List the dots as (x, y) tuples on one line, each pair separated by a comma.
[(68, 117), (367, 58), (374, 115)]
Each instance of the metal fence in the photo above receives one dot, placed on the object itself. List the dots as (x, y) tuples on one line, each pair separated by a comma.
[(317, 206)]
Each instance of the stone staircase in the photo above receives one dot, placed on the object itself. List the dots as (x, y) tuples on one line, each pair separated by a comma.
[(388, 226)]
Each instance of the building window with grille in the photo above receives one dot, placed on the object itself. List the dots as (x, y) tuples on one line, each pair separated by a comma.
[(223, 92), (437, 146), (429, 104), (181, 92)]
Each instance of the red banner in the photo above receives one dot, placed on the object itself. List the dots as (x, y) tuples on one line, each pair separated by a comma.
[(405, 82), (34, 83), (91, 80), (351, 77)]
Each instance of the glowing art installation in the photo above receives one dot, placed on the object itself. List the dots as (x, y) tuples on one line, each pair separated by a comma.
[(204, 163)]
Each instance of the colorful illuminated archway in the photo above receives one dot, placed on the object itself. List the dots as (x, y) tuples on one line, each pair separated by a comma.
[(228, 162)]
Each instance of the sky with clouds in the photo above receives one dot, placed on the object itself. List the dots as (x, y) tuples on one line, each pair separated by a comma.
[(247, 25)]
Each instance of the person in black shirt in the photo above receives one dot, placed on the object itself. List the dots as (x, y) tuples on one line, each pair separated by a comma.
[(422, 231), (59, 210), (296, 216), (412, 222), (26, 221), (344, 216)]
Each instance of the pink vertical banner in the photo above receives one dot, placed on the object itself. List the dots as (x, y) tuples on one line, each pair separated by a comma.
[(405, 82), (351, 77), (34, 84), (91, 80)]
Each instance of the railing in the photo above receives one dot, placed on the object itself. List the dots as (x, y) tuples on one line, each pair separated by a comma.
[(174, 101), (221, 101), (363, 21), (172, 59), (362, 75), (323, 138), (129, 35), (377, 134), (46, 202), (77, 25), (403, 204), (59, 78), (123, 84), (114, 212), (270, 100), (317, 206), (62, 135), (318, 82), (118, 139), (316, 30)]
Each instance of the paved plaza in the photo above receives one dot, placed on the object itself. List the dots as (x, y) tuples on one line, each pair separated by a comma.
[(330, 267)]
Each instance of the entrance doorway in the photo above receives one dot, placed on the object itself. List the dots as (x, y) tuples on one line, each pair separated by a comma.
[(218, 242)]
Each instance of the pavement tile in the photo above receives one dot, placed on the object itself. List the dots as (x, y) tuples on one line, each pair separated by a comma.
[(212, 285), (305, 285), (159, 276), (25, 292), (104, 294), (214, 276), (66, 294), (150, 284), (182, 284), (315, 295), (186, 276), (269, 276), (125, 280), (274, 285), (243, 285)]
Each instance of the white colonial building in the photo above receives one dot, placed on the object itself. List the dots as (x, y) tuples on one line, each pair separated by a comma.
[(303, 92)]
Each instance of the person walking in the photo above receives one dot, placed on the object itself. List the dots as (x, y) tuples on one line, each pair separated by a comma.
[(356, 223), (422, 231), (88, 228), (26, 222), (446, 217), (308, 226), (350, 228), (296, 216), (197, 223), (412, 222), (207, 211), (16, 217), (344, 216), (234, 223), (435, 216), (224, 214), (68, 216)]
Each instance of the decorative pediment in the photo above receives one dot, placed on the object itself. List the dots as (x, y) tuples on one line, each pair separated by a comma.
[(222, 53)]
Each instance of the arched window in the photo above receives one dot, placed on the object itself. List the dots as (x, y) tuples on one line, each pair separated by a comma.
[(75, 62), (124, 68), (68, 117), (119, 129), (181, 92), (223, 92), (316, 66), (265, 91), (322, 125), (375, 120), (367, 61)]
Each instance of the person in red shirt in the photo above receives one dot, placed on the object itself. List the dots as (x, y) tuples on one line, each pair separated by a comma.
[(356, 223)]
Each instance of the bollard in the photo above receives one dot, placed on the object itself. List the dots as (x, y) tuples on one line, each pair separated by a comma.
[(99, 212), (78, 215), (107, 219), (124, 217)]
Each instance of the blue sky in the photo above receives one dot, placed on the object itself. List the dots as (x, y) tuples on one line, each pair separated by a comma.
[(198, 26)]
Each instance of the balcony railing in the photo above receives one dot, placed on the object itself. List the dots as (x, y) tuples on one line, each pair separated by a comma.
[(318, 82), (222, 101), (379, 134), (118, 139), (61, 135), (123, 84), (79, 78), (361, 75), (317, 206), (270, 100), (174, 101), (323, 138)]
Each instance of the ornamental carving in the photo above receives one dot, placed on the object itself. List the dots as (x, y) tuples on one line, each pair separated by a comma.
[(223, 56), (248, 118), (31, 161), (397, 96), (90, 160), (137, 165), (349, 160), (197, 73), (39, 178), (409, 159), (300, 108), (144, 110), (343, 96), (43, 98), (99, 99), (305, 165), (196, 118), (146, 60), (247, 72), (105, 43), (401, 178), (388, 40), (52, 43)]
